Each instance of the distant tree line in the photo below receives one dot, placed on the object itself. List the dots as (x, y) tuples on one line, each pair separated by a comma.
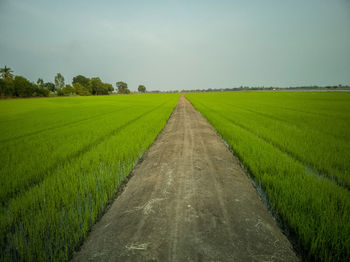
[(90, 86), (247, 88), (123, 88), (19, 86)]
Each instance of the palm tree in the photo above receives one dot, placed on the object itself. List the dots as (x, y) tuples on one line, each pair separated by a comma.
[(6, 73)]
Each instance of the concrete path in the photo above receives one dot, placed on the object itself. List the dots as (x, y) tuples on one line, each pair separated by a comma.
[(188, 200)]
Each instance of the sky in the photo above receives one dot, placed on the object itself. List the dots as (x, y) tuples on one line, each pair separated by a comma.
[(175, 45)]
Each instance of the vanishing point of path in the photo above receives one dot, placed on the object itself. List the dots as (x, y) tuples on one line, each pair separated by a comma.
[(188, 200)]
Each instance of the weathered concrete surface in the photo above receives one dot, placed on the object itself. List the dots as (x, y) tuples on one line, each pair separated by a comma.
[(188, 200)]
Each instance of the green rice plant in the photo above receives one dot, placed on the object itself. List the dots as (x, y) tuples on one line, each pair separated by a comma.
[(306, 186), (48, 219)]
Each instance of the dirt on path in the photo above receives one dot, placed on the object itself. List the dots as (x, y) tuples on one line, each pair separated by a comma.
[(188, 200)]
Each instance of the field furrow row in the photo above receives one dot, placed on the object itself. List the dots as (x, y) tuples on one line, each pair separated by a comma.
[(39, 177), (343, 181), (62, 125), (303, 124)]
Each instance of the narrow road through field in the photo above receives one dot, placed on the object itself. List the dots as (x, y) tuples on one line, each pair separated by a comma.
[(188, 200)]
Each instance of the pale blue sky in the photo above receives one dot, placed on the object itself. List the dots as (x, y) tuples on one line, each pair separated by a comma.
[(169, 45)]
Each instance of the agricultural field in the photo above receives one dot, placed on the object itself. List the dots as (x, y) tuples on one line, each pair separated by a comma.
[(296, 147), (62, 160)]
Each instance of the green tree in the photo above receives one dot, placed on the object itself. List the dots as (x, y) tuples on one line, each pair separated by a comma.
[(43, 92), (6, 73), (109, 88), (142, 89), (40, 89), (122, 88), (6, 88), (96, 86), (50, 86), (59, 92), (59, 82), (81, 90), (22, 87), (68, 90), (84, 81), (40, 82)]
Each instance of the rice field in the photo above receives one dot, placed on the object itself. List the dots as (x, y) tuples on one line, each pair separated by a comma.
[(296, 146), (62, 160)]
